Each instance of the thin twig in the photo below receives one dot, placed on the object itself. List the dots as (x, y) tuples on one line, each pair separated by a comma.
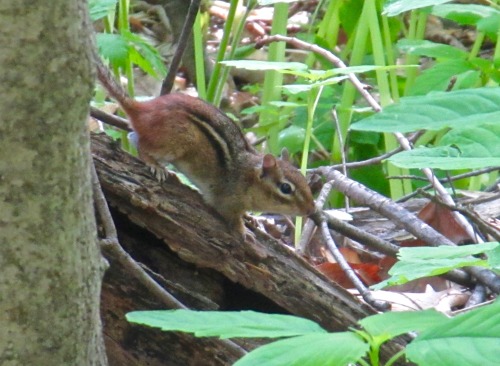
[(349, 272), (110, 119), (383, 246), (403, 141), (410, 222), (187, 29), (473, 173), (111, 245), (309, 226), (327, 55), (471, 215)]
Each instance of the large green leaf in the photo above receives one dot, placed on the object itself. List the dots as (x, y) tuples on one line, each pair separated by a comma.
[(472, 338), (113, 47), (226, 324), (435, 111), (144, 55), (465, 14), (490, 25), (430, 49), (100, 8), (465, 148), (335, 349), (383, 327), (438, 77), (396, 7), (445, 251), (415, 263)]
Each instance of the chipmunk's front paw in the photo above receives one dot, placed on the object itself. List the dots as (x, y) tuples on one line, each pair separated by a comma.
[(159, 172)]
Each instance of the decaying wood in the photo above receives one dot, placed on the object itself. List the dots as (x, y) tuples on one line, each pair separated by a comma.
[(190, 252)]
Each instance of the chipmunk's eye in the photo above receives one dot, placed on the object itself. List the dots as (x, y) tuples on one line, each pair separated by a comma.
[(285, 188)]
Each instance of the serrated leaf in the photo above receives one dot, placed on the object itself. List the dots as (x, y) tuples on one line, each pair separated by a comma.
[(396, 7), (430, 49), (467, 339), (144, 55), (466, 148), (100, 8), (113, 48), (392, 324), (309, 350), (436, 111), (465, 14), (226, 324)]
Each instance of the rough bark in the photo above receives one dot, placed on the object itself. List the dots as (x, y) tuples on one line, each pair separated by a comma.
[(50, 265), (224, 273)]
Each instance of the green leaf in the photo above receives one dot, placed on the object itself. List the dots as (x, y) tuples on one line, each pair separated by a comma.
[(383, 327), (445, 251), (489, 25), (100, 8), (464, 148), (292, 138), (396, 7), (423, 262), (437, 77), (430, 49), (144, 55), (113, 48), (409, 270), (265, 65), (226, 324), (309, 350), (467, 339), (494, 258), (436, 111), (465, 14), (470, 79)]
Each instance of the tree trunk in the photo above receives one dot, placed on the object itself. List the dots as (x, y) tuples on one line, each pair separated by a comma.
[(50, 265)]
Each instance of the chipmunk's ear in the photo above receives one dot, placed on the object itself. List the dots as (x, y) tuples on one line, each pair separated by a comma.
[(285, 155), (269, 165)]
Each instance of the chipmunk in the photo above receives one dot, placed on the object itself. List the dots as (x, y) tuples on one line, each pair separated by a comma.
[(206, 145)]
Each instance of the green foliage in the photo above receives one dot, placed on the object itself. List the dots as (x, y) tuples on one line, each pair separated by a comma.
[(465, 14), (124, 47), (98, 9), (461, 148), (420, 262), (226, 324), (436, 111), (308, 350), (473, 141), (383, 327), (466, 339), (396, 7)]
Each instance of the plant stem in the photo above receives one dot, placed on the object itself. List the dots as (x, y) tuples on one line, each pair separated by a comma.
[(273, 79), (199, 57), (214, 79)]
